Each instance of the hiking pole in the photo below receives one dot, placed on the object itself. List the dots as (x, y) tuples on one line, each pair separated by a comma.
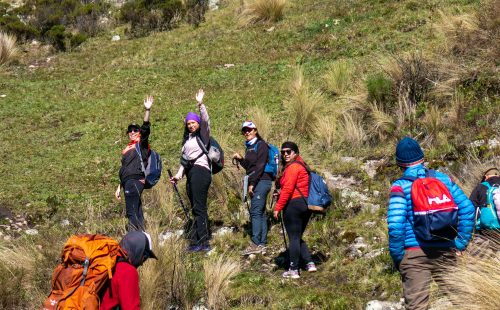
[(186, 212), (283, 230)]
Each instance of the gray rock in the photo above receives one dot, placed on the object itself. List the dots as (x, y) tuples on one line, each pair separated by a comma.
[(370, 224), (252, 257), (31, 232), (493, 143), (223, 231), (353, 195), (374, 253), (213, 4), (354, 252), (370, 207), (64, 223), (477, 143), (370, 167), (115, 38), (347, 159), (384, 305), (339, 181)]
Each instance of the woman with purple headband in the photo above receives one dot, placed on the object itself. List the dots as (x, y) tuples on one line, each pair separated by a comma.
[(195, 165)]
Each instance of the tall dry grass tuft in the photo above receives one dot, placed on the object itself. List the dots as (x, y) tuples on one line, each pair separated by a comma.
[(262, 120), (338, 77), (218, 273), (474, 282), (165, 281), (383, 124), (471, 173), (255, 11), (352, 131), (326, 132), (433, 123), (303, 103), (8, 49)]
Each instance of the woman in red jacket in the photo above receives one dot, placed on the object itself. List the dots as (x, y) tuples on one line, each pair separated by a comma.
[(294, 184)]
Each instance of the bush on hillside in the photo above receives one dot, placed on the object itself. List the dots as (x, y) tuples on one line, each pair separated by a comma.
[(8, 49), (256, 11), (380, 89), (54, 21)]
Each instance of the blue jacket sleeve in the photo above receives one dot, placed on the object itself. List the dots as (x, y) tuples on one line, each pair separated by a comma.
[(466, 212), (396, 221)]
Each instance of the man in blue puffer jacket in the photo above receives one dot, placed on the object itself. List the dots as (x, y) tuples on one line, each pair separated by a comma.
[(419, 260)]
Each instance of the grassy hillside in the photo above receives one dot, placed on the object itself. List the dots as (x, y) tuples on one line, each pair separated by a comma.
[(65, 119)]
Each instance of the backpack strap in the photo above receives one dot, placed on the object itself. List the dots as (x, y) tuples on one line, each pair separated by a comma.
[(428, 173), (138, 150), (487, 184), (309, 174)]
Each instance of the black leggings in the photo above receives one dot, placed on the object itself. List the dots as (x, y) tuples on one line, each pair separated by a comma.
[(198, 182), (296, 216), (133, 204)]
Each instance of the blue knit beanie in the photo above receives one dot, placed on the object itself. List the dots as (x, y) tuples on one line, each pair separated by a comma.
[(408, 153)]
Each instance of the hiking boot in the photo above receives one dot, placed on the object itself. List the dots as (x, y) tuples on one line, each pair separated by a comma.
[(193, 248), (291, 274), (311, 267), (205, 248), (252, 249), (262, 248)]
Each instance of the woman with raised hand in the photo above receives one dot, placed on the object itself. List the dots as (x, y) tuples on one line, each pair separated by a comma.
[(294, 190), (259, 184), (195, 165), (132, 178)]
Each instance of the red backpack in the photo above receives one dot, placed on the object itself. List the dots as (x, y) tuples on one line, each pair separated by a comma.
[(435, 214)]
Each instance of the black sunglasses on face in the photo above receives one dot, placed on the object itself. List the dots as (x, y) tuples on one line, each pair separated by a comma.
[(287, 152), (133, 130), (246, 130)]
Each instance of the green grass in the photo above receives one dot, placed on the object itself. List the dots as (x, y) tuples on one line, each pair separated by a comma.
[(64, 124)]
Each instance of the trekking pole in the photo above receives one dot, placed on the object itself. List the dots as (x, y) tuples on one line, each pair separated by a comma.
[(186, 212), (283, 230)]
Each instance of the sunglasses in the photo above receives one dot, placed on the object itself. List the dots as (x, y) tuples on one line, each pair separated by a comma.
[(246, 130), (286, 152), (133, 130)]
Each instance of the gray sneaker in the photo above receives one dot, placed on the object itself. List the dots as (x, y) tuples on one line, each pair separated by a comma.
[(262, 248), (252, 249)]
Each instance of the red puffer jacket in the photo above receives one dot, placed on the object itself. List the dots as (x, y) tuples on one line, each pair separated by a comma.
[(295, 176)]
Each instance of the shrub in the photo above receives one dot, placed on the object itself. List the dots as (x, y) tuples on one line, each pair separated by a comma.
[(379, 88), (338, 77), (303, 104), (77, 39), (326, 132), (56, 36), (383, 124), (351, 131), (196, 10), (255, 11), (8, 49), (146, 16)]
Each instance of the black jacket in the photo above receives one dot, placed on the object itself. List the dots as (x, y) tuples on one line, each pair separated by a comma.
[(255, 161), (478, 195), (131, 168)]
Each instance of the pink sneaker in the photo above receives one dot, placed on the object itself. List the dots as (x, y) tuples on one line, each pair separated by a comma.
[(293, 274), (311, 267)]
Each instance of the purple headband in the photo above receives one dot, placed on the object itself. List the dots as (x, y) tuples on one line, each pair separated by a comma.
[(191, 116)]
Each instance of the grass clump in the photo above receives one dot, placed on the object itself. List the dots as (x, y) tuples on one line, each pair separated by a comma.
[(262, 120), (8, 48), (255, 11), (218, 273), (338, 78), (379, 88), (303, 103), (481, 269)]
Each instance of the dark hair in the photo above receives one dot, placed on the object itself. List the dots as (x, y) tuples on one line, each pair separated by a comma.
[(185, 136)]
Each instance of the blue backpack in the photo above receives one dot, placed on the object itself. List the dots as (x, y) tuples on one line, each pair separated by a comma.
[(152, 171), (273, 159), (319, 196), (489, 216)]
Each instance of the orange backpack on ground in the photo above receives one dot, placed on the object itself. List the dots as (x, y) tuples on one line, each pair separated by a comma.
[(87, 264)]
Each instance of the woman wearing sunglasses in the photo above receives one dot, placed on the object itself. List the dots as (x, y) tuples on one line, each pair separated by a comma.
[(259, 184), (294, 190), (132, 178), (195, 164)]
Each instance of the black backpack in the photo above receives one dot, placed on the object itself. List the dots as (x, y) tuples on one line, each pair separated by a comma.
[(214, 153)]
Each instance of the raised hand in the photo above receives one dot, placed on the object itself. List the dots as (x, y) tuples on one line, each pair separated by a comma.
[(148, 102), (199, 96)]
